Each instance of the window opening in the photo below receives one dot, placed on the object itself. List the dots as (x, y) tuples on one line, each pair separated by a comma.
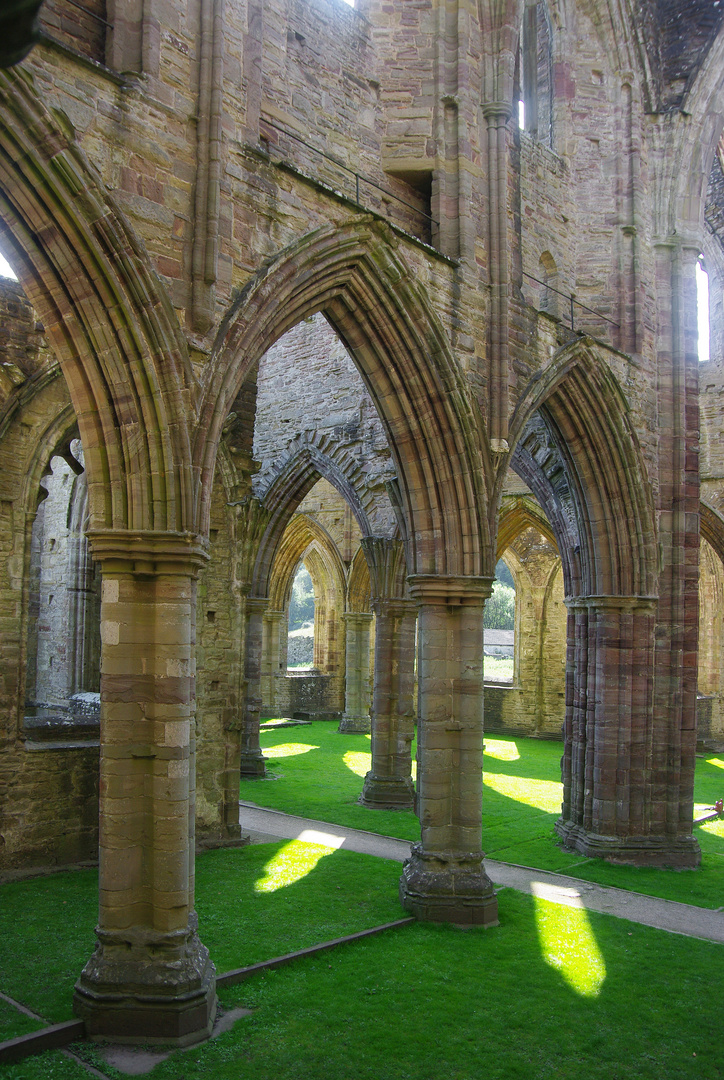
[(6, 269), (499, 628), (702, 308), (300, 637)]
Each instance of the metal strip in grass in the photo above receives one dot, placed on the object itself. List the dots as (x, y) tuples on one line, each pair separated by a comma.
[(237, 975)]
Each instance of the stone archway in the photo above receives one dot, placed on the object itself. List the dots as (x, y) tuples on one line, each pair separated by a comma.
[(125, 361), (578, 453)]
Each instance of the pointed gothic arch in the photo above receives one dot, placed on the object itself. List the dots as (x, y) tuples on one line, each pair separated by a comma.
[(357, 279), (581, 457), (111, 325)]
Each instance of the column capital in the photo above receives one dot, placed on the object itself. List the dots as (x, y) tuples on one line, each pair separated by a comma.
[(393, 607), (437, 590), (497, 111), (274, 616), (612, 603), (147, 553), (361, 618), (257, 605)]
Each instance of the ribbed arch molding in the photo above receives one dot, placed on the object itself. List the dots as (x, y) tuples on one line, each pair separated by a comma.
[(516, 516), (308, 458), (359, 589), (111, 325), (358, 280), (712, 528), (302, 534), (581, 458)]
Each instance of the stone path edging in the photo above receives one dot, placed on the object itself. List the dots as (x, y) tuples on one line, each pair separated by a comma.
[(670, 915)]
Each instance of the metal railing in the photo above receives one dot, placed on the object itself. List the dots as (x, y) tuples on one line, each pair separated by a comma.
[(359, 178), (573, 302)]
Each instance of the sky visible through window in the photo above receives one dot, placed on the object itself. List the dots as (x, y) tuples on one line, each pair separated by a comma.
[(6, 269), (702, 303)]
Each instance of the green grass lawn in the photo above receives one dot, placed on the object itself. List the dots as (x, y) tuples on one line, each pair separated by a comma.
[(552, 992), (318, 773)]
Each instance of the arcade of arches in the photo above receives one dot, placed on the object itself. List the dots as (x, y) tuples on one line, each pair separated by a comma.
[(295, 287)]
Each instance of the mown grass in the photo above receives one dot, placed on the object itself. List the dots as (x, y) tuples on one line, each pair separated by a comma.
[(551, 992), (316, 772)]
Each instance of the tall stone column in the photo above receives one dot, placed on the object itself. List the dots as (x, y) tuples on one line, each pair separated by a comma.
[(613, 805), (150, 979), (275, 624), (444, 880), (388, 784), (252, 761), (357, 672)]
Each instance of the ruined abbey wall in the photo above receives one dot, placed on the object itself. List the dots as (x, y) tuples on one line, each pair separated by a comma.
[(181, 192)]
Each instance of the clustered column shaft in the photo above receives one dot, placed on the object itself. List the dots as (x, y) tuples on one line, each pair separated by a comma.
[(388, 784), (252, 760)]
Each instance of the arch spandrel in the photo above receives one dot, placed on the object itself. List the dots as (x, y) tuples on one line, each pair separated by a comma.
[(356, 278), (110, 322)]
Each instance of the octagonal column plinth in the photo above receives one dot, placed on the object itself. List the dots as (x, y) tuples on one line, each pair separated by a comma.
[(444, 880), (388, 784), (251, 759), (150, 979), (357, 673)]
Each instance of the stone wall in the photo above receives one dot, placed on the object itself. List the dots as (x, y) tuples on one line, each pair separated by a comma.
[(306, 696)]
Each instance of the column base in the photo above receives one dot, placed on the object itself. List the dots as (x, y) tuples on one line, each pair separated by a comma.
[(387, 792), (677, 853), (447, 887), (351, 724), (252, 766), (220, 836), (140, 986)]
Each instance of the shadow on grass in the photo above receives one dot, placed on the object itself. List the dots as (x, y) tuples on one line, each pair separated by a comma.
[(435, 1003), (521, 803), (551, 992), (47, 924)]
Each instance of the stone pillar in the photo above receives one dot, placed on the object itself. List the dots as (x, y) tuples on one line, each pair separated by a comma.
[(275, 624), (613, 805), (150, 978), (252, 761), (444, 880), (357, 672), (388, 784)]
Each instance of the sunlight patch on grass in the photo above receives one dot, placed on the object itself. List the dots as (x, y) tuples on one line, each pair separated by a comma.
[(715, 827), (544, 795), (288, 749), (359, 762), (715, 761), (502, 750), (568, 944), (295, 860)]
